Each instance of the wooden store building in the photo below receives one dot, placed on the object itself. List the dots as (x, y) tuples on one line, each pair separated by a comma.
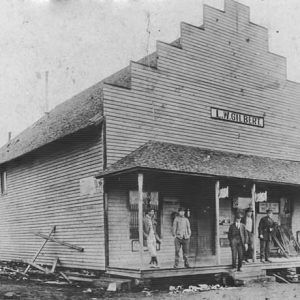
[(208, 122)]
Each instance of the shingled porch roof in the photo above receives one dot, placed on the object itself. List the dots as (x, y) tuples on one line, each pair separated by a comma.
[(196, 161)]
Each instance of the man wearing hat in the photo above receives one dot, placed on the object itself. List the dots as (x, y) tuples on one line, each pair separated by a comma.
[(248, 222), (237, 240), (265, 228), (181, 232)]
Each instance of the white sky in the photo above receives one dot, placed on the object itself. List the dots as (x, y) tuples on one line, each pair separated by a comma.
[(80, 42)]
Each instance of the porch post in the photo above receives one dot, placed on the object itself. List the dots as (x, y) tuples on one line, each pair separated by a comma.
[(253, 193), (140, 216), (217, 205)]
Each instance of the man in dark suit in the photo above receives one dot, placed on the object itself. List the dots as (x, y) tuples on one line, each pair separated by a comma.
[(237, 239), (265, 228)]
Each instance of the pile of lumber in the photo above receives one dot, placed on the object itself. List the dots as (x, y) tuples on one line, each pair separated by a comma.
[(288, 275), (284, 239), (20, 270)]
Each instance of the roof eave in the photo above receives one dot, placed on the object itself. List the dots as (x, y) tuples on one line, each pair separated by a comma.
[(178, 172)]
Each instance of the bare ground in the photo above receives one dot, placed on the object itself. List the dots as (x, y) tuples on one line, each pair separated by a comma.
[(25, 290)]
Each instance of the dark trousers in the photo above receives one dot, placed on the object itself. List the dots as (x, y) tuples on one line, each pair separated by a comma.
[(184, 243), (237, 251), (264, 249), (249, 254)]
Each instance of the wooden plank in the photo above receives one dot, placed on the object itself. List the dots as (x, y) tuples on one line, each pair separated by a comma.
[(79, 279), (106, 230), (281, 278), (46, 271), (68, 245), (217, 236), (55, 262), (253, 199), (140, 217), (65, 277), (40, 249), (16, 271)]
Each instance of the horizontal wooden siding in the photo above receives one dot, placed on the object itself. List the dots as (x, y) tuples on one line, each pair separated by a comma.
[(43, 190), (226, 64)]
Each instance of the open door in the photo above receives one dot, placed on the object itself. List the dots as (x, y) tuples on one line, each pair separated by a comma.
[(202, 219)]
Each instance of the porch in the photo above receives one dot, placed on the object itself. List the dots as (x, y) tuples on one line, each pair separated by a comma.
[(255, 270), (211, 187)]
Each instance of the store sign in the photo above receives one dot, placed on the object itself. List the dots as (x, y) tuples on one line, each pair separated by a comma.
[(264, 206), (236, 117)]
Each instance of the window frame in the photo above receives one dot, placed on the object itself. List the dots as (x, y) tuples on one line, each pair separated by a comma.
[(133, 213), (3, 182)]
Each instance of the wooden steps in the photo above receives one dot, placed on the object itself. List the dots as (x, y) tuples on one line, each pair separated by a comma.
[(119, 284), (249, 272)]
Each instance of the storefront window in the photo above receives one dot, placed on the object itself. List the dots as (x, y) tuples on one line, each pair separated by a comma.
[(150, 201)]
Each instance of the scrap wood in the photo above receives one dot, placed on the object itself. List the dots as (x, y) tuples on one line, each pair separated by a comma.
[(55, 262), (280, 245), (193, 289), (44, 270), (78, 278), (292, 238), (65, 277), (15, 271), (281, 278), (284, 239), (51, 239), (40, 249), (288, 238)]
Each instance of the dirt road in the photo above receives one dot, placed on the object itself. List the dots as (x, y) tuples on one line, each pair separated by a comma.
[(34, 291)]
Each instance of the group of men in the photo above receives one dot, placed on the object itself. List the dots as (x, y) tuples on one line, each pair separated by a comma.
[(240, 235), (181, 231), (241, 238)]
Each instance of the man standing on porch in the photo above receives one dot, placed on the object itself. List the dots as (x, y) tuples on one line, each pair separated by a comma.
[(182, 233), (265, 228), (237, 240), (149, 229)]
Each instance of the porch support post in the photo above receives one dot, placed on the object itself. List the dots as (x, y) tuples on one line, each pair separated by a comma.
[(217, 205), (140, 216), (253, 193)]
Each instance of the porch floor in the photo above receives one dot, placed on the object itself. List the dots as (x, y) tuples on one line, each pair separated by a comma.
[(258, 267)]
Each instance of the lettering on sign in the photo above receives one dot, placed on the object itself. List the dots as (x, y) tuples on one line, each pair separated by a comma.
[(236, 117)]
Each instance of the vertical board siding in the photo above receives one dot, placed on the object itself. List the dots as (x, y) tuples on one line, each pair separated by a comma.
[(226, 64), (43, 191)]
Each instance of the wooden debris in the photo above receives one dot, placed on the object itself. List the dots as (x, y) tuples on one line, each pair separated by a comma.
[(281, 278), (40, 249), (15, 271), (65, 277), (51, 239), (44, 270), (55, 262), (82, 279), (10, 295)]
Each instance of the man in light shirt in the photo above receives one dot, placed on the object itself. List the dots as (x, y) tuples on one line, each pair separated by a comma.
[(248, 221), (182, 233)]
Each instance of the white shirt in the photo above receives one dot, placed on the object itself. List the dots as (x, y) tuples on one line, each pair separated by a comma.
[(248, 224)]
